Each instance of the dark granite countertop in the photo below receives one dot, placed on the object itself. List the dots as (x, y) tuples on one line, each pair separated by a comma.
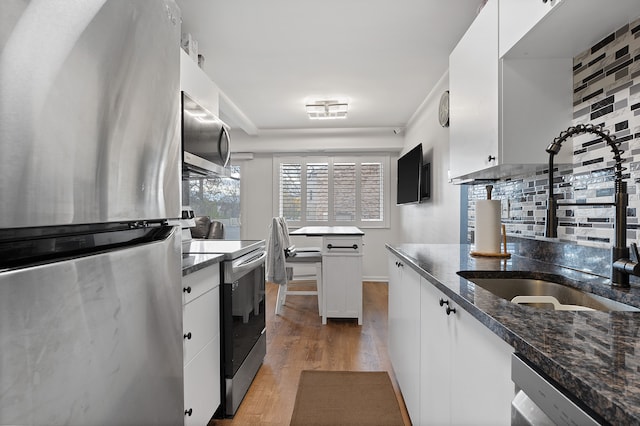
[(195, 262), (594, 355)]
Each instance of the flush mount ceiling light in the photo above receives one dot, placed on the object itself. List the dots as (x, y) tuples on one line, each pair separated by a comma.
[(327, 110)]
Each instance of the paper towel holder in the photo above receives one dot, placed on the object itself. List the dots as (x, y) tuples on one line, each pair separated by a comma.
[(504, 254)]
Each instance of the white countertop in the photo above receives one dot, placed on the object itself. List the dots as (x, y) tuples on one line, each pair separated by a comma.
[(327, 230)]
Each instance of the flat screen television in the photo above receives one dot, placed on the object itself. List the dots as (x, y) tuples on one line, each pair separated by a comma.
[(409, 176), (425, 182)]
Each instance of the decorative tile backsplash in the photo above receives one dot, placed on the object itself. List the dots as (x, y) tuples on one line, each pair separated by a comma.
[(606, 92)]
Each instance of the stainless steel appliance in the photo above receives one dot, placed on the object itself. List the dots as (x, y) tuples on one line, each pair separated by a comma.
[(205, 141), (90, 270), (538, 402), (242, 310), (186, 222)]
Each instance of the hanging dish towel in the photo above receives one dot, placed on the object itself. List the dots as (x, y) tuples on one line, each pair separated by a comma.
[(275, 263)]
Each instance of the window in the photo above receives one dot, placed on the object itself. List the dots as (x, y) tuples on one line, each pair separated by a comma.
[(333, 190), (317, 191), (218, 198)]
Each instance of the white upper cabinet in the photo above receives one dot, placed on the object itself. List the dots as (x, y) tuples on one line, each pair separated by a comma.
[(198, 85), (473, 95), (518, 17), (511, 81), (503, 113), (559, 28)]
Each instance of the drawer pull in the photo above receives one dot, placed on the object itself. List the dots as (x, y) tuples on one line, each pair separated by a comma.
[(449, 309), (188, 412), (331, 246), (186, 290), (188, 336)]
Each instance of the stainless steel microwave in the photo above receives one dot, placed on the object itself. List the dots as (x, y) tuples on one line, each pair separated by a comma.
[(205, 141)]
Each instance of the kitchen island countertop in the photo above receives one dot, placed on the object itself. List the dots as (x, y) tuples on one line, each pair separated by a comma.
[(594, 355), (323, 231)]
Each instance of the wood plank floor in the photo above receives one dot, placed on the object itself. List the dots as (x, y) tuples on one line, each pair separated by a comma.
[(298, 341)]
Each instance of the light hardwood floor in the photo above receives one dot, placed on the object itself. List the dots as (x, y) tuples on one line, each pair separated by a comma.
[(298, 341)]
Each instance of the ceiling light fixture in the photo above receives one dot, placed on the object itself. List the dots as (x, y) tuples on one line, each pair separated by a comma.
[(327, 110)]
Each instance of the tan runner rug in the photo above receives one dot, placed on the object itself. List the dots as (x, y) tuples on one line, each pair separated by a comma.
[(346, 398)]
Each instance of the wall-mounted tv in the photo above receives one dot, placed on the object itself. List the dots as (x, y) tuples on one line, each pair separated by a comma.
[(409, 176), (425, 182)]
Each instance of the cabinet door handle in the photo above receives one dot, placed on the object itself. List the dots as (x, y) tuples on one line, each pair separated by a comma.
[(399, 264), (331, 246), (449, 309), (186, 290), (188, 336), (188, 412), (491, 158)]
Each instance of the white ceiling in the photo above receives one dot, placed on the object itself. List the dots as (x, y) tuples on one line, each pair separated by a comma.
[(269, 57)]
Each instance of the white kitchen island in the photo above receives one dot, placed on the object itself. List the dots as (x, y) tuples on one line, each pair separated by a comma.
[(342, 250)]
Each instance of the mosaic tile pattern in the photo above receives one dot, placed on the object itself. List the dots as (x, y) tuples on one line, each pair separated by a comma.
[(606, 92)]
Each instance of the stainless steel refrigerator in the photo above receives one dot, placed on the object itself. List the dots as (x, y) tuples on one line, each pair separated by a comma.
[(90, 161)]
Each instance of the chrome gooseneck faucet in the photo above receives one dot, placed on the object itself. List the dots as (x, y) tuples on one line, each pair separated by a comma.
[(621, 265)]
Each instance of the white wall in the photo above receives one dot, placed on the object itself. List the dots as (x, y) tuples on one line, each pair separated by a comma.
[(257, 182), (438, 219)]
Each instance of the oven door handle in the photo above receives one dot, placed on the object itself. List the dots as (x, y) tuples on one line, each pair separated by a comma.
[(243, 266)]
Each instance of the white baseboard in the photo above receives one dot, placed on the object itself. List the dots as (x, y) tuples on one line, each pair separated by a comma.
[(376, 279)]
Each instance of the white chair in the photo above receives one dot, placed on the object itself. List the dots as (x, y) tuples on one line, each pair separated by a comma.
[(288, 257)]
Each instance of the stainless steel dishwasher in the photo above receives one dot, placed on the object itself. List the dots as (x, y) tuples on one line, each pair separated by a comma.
[(539, 402)]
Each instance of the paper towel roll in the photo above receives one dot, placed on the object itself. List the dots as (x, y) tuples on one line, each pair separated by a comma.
[(488, 226)]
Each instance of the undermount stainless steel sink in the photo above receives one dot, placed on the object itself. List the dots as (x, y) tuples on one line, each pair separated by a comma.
[(548, 295)]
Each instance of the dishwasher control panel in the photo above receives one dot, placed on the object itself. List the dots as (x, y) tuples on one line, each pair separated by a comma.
[(540, 402)]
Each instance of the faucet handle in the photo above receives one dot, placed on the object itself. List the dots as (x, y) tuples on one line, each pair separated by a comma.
[(635, 256)]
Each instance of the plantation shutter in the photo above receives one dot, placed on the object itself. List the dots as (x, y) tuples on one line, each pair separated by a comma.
[(344, 191), (318, 192), (332, 191), (290, 191), (372, 192)]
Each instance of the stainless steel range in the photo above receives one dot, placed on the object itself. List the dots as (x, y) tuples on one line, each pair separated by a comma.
[(242, 310)]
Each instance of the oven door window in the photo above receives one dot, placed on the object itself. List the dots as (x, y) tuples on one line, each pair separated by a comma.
[(244, 309)]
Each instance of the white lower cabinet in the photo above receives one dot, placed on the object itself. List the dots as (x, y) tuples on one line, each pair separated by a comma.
[(451, 369), (202, 390), (435, 359), (404, 332), (201, 332), (342, 277), (200, 323), (465, 369)]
